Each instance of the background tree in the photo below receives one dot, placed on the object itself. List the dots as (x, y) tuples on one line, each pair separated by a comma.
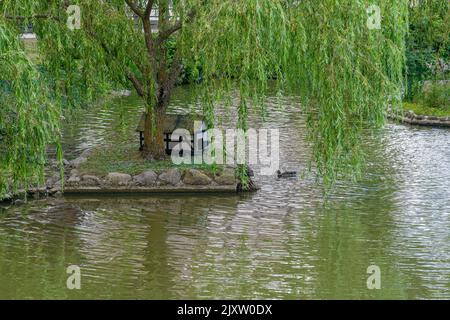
[(428, 43), (322, 51)]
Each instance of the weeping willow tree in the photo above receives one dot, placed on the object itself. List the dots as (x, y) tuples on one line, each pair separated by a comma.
[(28, 120), (323, 51)]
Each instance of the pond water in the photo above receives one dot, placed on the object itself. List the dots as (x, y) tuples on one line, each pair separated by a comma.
[(283, 242)]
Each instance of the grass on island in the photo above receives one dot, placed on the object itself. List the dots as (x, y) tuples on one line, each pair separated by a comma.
[(421, 109), (128, 159)]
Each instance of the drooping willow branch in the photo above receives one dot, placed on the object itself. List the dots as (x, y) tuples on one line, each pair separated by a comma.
[(345, 71), (33, 17)]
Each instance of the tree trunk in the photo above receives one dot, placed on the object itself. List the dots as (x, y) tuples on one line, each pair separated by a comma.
[(154, 146)]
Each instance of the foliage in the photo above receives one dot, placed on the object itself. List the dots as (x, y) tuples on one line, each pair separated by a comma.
[(435, 96), (186, 75), (428, 43), (322, 51), (350, 74)]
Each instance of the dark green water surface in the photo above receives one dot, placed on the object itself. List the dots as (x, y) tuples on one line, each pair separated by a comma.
[(282, 242)]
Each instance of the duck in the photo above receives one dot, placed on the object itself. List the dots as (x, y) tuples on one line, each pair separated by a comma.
[(287, 174), (250, 172)]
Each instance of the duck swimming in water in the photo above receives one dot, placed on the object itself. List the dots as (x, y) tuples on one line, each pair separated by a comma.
[(287, 174)]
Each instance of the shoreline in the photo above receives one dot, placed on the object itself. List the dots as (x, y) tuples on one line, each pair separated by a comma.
[(165, 181), (409, 117)]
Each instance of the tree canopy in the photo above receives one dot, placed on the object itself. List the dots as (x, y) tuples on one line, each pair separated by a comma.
[(325, 52), (428, 42), (29, 121)]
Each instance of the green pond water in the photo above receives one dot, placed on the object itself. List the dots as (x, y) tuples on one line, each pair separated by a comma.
[(282, 242)]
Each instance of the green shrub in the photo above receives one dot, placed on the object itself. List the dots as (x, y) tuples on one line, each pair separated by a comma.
[(428, 44), (436, 96)]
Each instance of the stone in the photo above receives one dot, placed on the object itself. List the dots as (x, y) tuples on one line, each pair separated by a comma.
[(53, 191), (227, 177), (118, 179), (74, 172), (196, 177), (73, 181), (6, 197), (57, 184), (172, 176), (49, 183), (410, 114), (90, 181), (52, 180), (86, 153), (66, 162), (76, 163), (147, 178)]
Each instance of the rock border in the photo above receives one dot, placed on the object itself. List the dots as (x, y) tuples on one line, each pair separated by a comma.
[(409, 117), (172, 180)]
